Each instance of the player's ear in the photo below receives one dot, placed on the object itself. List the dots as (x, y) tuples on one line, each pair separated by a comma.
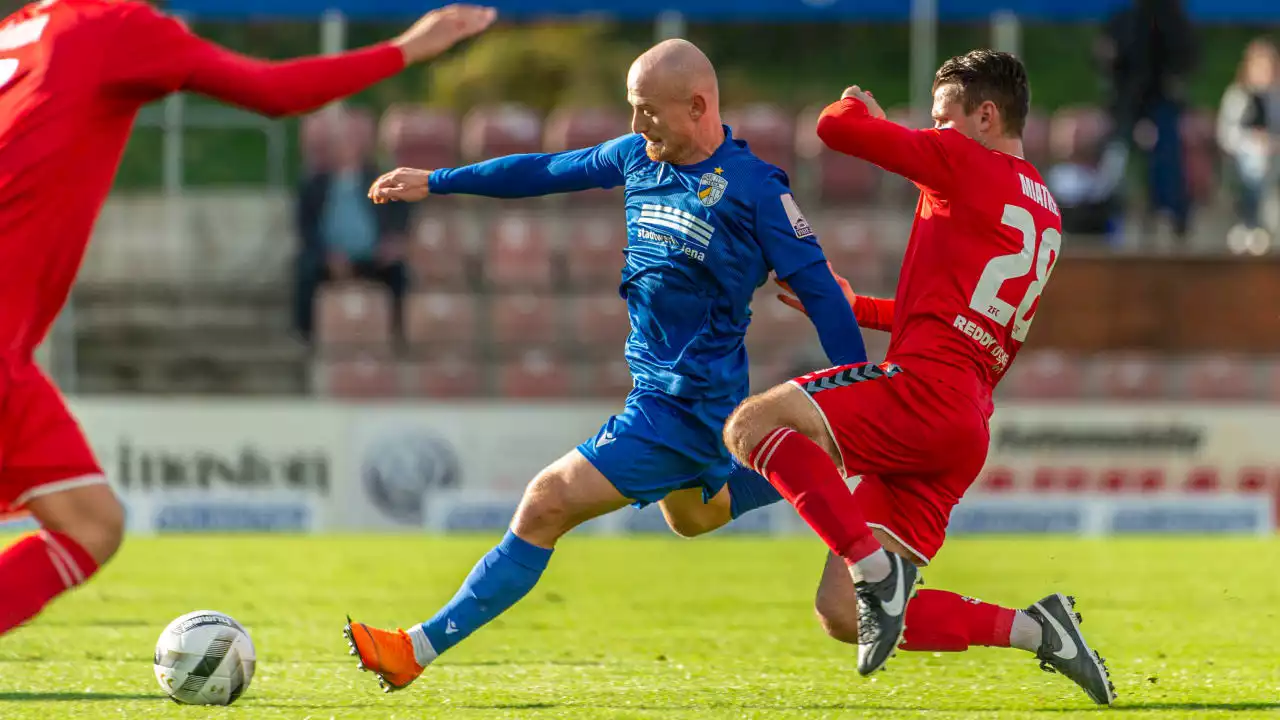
[(698, 107), (990, 116)]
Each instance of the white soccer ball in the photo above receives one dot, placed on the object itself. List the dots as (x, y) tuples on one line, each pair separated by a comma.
[(204, 658)]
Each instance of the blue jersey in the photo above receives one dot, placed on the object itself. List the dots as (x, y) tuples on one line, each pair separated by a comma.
[(701, 239)]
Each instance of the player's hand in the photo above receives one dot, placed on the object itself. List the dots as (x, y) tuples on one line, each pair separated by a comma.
[(867, 99), (441, 29), (788, 297), (403, 184)]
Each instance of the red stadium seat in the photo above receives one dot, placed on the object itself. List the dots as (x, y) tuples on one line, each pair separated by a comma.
[(777, 332), (841, 179), (572, 128), (362, 377), (1203, 479), (850, 245), (1131, 377), (1129, 481), (438, 256), (420, 137), (769, 131), (536, 375), (593, 258), (518, 253), (1254, 479), (439, 322), (353, 315), (608, 379), (599, 324), (996, 480), (450, 377), (1044, 375), (1220, 378), (495, 130), (1060, 480), (523, 321)]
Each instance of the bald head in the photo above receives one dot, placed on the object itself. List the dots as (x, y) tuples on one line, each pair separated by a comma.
[(676, 69), (673, 90)]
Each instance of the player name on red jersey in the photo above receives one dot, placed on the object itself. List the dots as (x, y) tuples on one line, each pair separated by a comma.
[(1039, 193)]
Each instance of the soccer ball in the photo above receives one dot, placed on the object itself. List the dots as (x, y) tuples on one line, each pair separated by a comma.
[(204, 658)]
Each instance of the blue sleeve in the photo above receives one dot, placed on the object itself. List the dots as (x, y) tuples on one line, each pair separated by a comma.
[(535, 174), (784, 234), (830, 313)]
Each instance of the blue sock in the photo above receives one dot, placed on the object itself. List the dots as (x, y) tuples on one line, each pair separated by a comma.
[(503, 576), (749, 490)]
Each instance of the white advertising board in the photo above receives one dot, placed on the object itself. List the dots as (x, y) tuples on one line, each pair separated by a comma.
[(196, 464)]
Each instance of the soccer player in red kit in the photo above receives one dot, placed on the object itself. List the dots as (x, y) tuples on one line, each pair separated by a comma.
[(985, 239), (73, 75)]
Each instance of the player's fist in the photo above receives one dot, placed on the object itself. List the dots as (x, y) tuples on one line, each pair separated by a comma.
[(403, 184), (441, 29), (788, 297), (867, 99)]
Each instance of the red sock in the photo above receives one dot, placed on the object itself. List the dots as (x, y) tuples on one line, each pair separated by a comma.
[(35, 570), (941, 621), (806, 477)]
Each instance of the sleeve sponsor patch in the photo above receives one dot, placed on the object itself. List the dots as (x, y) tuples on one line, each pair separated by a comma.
[(796, 218)]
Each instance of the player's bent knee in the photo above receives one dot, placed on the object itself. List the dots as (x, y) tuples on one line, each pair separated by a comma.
[(747, 426), (91, 515), (543, 514), (782, 406)]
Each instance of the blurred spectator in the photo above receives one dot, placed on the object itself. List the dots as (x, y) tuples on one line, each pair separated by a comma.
[(1085, 183), (1248, 130), (344, 236), (1148, 53)]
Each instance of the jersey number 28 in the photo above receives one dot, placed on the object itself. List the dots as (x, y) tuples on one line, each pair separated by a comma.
[(1038, 249)]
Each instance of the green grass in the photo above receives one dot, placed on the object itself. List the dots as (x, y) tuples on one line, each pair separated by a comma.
[(653, 628)]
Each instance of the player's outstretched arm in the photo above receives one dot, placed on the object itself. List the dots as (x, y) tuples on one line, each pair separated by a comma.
[(831, 315), (154, 54), (855, 125), (516, 176), (873, 313), (792, 251)]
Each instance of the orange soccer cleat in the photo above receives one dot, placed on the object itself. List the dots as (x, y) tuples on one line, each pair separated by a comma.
[(387, 654)]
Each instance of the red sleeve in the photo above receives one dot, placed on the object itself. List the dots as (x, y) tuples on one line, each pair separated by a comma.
[(153, 55), (921, 156), (873, 313)]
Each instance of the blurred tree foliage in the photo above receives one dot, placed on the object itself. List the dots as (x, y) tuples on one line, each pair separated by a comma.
[(543, 66)]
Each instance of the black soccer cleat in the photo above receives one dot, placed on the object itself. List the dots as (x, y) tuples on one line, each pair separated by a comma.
[(882, 612), (1063, 649)]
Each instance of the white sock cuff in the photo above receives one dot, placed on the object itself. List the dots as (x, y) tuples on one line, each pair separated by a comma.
[(422, 650)]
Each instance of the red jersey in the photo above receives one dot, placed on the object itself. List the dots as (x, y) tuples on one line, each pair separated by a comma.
[(985, 239), (73, 75)]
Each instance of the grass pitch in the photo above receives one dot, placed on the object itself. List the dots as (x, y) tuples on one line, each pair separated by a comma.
[(653, 628)]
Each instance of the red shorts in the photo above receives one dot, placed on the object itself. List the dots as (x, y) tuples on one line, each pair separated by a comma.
[(42, 448), (917, 444)]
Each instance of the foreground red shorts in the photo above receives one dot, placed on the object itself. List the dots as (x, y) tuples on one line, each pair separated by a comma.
[(42, 448), (917, 444)]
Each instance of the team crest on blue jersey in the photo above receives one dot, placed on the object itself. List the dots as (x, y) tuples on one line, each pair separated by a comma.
[(711, 188)]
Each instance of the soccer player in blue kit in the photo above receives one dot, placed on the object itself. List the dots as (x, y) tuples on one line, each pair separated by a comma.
[(707, 222)]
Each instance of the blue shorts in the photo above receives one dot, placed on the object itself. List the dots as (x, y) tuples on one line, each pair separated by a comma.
[(660, 443)]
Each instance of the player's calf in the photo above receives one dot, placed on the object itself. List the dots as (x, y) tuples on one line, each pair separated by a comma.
[(83, 527), (565, 494)]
